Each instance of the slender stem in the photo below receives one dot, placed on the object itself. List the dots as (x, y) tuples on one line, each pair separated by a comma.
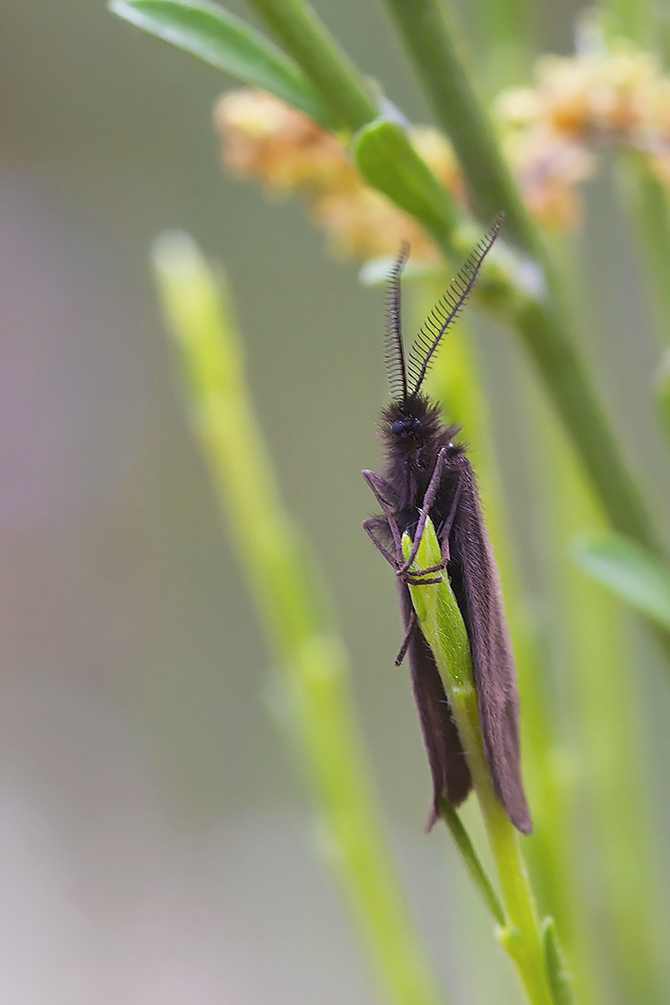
[(648, 203), (443, 627), (598, 664), (430, 41), (456, 382), (633, 19), (321, 721), (306, 38), (568, 382), (521, 936), (662, 389), (471, 859), (504, 35)]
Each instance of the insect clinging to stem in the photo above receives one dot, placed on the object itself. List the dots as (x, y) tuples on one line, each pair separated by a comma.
[(427, 474)]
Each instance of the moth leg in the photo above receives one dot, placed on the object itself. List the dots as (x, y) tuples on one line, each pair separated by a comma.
[(444, 531), (428, 501), (377, 485), (369, 526), (446, 526), (418, 580), (411, 626)]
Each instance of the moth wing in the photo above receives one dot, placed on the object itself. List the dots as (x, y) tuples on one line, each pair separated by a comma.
[(476, 583), (448, 766)]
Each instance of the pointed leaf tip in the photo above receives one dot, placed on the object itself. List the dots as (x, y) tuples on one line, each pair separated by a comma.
[(388, 161)]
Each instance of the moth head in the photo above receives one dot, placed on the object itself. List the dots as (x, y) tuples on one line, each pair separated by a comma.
[(407, 424)]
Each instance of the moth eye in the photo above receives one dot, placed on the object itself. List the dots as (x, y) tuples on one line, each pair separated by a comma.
[(405, 426)]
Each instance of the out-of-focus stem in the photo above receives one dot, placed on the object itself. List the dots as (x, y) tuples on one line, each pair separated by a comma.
[(633, 19), (429, 39), (650, 211), (605, 693), (569, 385), (306, 38), (504, 35), (662, 389), (288, 592)]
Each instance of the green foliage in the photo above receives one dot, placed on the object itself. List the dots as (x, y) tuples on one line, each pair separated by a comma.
[(541, 321), (559, 979), (227, 43), (463, 842), (629, 571), (320, 718), (663, 393), (602, 737), (387, 160), (443, 627)]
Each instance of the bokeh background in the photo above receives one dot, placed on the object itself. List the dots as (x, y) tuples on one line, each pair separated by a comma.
[(155, 845)]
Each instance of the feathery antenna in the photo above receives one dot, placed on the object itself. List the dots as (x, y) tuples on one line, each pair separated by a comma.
[(447, 309), (394, 354)]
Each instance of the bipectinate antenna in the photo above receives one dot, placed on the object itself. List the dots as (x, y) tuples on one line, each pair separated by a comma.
[(394, 354), (447, 309)]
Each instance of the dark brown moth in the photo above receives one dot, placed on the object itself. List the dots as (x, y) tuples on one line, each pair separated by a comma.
[(427, 474)]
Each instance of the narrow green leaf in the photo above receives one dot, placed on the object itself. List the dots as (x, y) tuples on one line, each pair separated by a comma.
[(559, 978), (478, 875), (388, 161), (227, 43), (628, 570)]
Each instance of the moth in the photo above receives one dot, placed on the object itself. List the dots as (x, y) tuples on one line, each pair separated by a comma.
[(427, 474)]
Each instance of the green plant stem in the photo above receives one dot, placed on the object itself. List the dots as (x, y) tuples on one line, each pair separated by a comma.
[(465, 846), (522, 936), (632, 19), (647, 201), (542, 322), (577, 402), (288, 593), (608, 734), (456, 382), (504, 35), (602, 673), (662, 393), (443, 627), (559, 977), (304, 37), (429, 39)]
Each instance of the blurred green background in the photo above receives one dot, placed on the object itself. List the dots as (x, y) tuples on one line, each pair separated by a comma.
[(154, 841)]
